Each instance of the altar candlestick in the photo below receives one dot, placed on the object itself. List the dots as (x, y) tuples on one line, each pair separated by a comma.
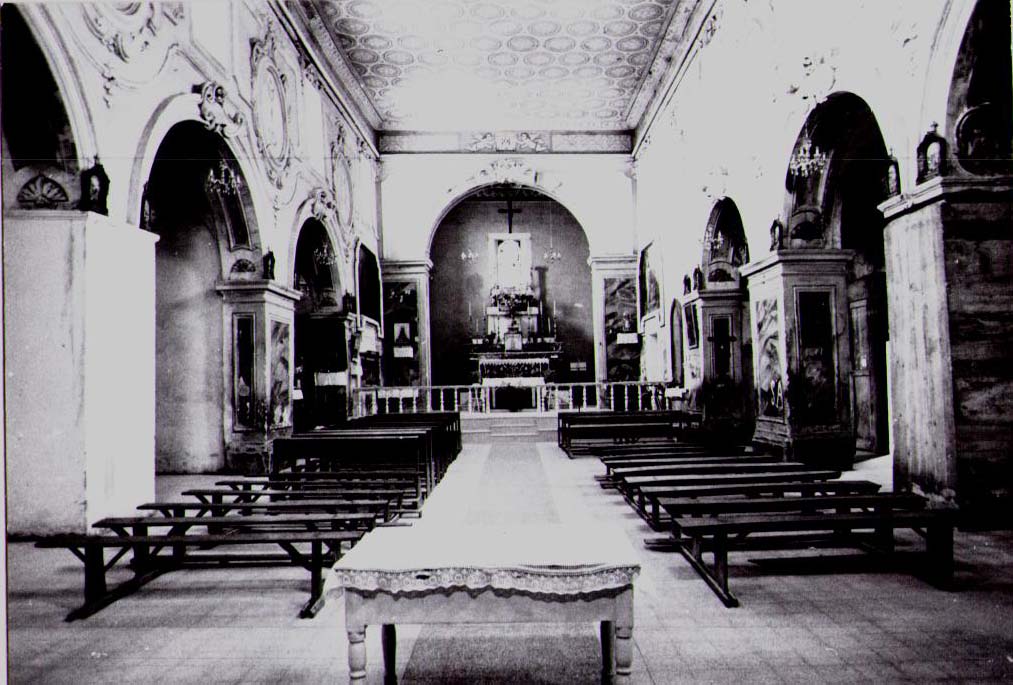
[(469, 310), (553, 308)]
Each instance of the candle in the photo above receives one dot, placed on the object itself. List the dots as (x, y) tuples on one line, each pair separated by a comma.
[(553, 308), (469, 310)]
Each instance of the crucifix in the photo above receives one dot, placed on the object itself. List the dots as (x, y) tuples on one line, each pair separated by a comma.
[(510, 211)]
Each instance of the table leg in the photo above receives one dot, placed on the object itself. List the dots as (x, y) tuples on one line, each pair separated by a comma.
[(608, 644), (356, 654), (388, 636), (624, 653)]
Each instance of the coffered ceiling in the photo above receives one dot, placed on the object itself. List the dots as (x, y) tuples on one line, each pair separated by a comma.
[(550, 65)]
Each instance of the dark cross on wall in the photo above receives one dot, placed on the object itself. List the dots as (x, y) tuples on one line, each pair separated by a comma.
[(510, 211)]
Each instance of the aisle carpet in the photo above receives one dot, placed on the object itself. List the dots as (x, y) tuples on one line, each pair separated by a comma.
[(512, 489)]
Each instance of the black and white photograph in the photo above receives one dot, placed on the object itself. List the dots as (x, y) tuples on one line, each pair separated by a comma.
[(507, 341)]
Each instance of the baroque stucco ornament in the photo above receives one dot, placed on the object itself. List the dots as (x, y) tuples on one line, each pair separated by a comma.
[(138, 37), (505, 171), (212, 110), (270, 107)]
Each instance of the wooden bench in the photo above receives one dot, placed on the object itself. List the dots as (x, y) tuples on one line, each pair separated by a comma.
[(90, 549), (612, 470), (638, 490), (447, 425), (728, 533), (614, 426), (362, 448), (677, 497), (213, 496), (379, 509)]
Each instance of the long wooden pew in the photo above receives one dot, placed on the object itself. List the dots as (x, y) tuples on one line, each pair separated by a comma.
[(366, 448), (614, 426), (90, 549), (866, 522)]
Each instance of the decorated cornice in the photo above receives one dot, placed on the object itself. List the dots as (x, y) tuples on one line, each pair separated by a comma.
[(527, 142)]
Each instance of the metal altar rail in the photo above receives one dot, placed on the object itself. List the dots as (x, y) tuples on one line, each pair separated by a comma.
[(482, 399)]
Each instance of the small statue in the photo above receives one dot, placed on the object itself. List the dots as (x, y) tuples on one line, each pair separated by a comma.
[(94, 190), (269, 266), (776, 235), (687, 286), (697, 278)]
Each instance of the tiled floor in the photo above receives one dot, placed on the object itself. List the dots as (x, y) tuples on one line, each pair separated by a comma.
[(798, 622)]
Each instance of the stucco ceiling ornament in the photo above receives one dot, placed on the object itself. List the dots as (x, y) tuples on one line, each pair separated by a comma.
[(710, 27), (322, 205), (507, 171), (138, 38), (270, 107), (509, 141), (212, 110)]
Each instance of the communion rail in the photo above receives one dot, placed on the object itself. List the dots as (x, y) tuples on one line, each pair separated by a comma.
[(480, 399)]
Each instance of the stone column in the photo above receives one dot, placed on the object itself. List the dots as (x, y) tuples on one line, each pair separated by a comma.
[(79, 358), (605, 267), (950, 289), (417, 272), (802, 354), (258, 319)]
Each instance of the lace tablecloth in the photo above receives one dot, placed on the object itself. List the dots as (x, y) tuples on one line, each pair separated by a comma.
[(563, 561)]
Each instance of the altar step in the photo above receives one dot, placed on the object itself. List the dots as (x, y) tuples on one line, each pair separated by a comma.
[(508, 428)]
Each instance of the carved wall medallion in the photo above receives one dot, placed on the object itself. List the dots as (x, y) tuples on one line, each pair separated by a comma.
[(243, 267), (270, 107), (42, 192), (343, 190), (212, 110), (125, 28)]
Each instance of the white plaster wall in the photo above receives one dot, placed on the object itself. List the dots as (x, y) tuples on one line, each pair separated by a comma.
[(119, 369), (43, 361), (418, 189), (78, 308)]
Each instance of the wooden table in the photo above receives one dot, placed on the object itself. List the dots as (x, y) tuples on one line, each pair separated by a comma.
[(534, 574)]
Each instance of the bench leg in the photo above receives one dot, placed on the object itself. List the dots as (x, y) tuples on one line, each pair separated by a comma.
[(356, 654), (316, 600), (939, 543), (94, 574), (388, 637), (608, 648)]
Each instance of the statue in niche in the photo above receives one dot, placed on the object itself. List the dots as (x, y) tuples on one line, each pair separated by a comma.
[(931, 155), (687, 285), (776, 234), (697, 278), (269, 266), (94, 190)]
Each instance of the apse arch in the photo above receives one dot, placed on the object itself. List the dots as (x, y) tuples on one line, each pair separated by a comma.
[(463, 192), (510, 276)]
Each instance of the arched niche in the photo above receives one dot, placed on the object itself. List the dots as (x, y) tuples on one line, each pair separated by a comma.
[(320, 346), (40, 151), (676, 343), (368, 281), (205, 239), (979, 114), (724, 245), (468, 282), (835, 304)]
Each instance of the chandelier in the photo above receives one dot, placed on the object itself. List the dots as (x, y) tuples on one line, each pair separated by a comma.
[(468, 255), (222, 179), (323, 256), (808, 159), (551, 255)]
